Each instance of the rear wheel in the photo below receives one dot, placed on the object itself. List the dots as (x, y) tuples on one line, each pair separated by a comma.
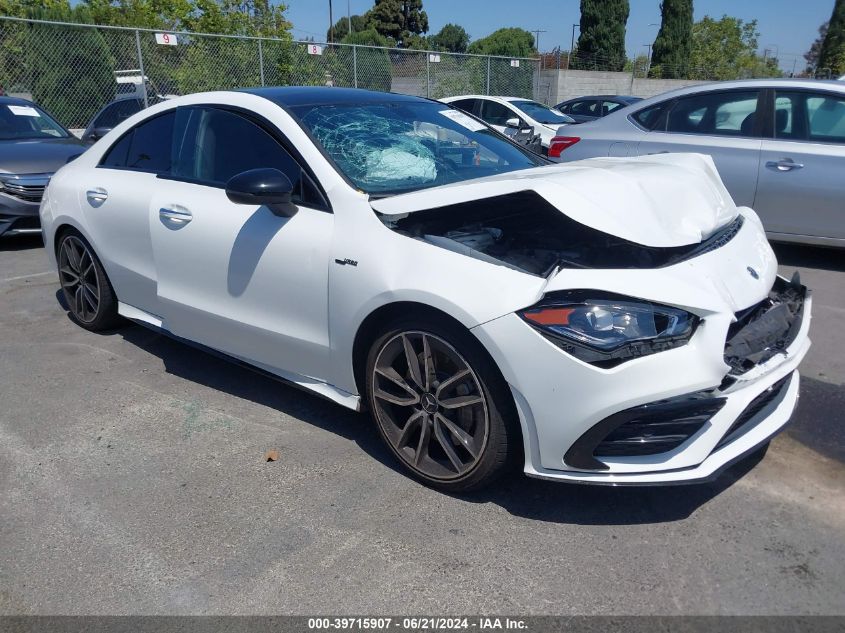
[(87, 290), (441, 405)]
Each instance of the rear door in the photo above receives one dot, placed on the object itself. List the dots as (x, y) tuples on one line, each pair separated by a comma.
[(115, 199), (727, 125), (801, 186)]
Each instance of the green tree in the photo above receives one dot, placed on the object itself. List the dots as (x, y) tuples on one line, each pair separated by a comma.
[(373, 64), (727, 49), (340, 29), (673, 45), (47, 55), (509, 42), (451, 38), (601, 45), (832, 53), (812, 55), (398, 20)]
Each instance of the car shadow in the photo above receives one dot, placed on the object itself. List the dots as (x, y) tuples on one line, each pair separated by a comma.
[(819, 422), (804, 256), (24, 242), (519, 495)]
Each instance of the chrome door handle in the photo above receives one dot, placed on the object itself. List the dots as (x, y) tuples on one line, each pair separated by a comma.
[(177, 215), (97, 196), (784, 164)]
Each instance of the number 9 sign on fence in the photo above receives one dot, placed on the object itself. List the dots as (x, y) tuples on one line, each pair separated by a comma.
[(166, 39)]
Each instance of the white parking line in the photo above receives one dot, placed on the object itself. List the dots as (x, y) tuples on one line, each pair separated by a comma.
[(49, 272)]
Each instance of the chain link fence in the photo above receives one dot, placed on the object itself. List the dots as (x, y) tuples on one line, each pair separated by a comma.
[(72, 70)]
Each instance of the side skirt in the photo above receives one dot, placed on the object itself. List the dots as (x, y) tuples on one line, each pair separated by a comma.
[(311, 385)]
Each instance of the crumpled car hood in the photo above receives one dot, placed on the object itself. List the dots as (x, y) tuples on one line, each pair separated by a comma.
[(661, 201)]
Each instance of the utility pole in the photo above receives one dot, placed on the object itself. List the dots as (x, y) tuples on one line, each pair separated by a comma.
[(571, 45), (648, 60), (536, 33), (348, 17), (331, 23)]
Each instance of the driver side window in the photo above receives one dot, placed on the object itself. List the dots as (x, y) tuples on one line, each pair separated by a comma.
[(210, 145), (495, 113)]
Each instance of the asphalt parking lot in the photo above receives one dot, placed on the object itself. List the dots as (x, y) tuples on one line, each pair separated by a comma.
[(132, 480)]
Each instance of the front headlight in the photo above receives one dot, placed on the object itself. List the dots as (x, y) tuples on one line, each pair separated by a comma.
[(604, 329)]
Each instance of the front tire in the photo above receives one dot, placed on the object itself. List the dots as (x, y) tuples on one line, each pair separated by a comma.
[(87, 290), (441, 405)]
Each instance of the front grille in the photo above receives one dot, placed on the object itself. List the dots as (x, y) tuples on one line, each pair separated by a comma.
[(30, 193), (748, 418), (767, 328)]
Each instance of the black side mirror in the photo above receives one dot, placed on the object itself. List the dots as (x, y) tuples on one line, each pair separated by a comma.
[(263, 186), (97, 133)]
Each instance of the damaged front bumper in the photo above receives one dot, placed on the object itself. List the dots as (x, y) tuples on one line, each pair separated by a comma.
[(689, 412)]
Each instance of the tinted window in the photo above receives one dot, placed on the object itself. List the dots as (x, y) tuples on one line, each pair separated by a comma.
[(719, 113), (584, 108), (650, 117), (496, 113), (118, 153), (806, 116), (212, 145), (467, 105), (146, 147), (117, 112)]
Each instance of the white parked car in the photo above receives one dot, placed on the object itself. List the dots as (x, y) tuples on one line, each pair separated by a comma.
[(610, 321), (515, 113)]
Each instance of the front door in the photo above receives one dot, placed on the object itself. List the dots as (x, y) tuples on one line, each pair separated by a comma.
[(235, 277)]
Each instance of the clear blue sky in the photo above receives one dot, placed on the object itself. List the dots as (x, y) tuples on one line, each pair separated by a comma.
[(789, 26)]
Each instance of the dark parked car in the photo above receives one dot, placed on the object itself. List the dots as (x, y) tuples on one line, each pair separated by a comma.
[(585, 109), (33, 145), (111, 115)]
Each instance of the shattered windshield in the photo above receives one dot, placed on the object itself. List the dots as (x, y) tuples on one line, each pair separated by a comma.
[(388, 148)]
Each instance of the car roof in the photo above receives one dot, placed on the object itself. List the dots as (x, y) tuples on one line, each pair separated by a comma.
[(492, 97), (290, 96), (747, 83), (15, 101)]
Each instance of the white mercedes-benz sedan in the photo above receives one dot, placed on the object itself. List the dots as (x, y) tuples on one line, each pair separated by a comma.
[(607, 321)]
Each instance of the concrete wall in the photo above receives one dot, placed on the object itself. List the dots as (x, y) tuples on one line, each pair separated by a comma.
[(559, 85)]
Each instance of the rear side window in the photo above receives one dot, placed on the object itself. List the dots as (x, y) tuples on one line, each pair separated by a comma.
[(212, 145), (610, 106), (467, 105), (146, 147), (715, 113), (650, 117), (807, 116)]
